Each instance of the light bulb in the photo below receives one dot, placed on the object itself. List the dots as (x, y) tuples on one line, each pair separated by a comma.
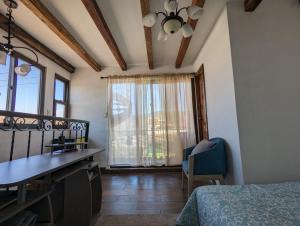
[(172, 26), (170, 5), (149, 20), (23, 69), (187, 30), (194, 12)]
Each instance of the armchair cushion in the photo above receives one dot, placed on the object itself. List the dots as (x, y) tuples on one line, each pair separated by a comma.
[(210, 162), (213, 161), (202, 146)]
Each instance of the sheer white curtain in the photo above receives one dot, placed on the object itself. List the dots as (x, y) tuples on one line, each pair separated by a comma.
[(150, 119)]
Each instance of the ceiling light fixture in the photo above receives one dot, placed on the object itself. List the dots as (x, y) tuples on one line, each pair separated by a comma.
[(172, 21), (8, 47)]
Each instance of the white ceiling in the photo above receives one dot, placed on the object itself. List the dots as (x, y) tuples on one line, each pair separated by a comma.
[(125, 22)]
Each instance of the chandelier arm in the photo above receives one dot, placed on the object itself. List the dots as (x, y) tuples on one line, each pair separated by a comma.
[(178, 12), (9, 21), (163, 13), (22, 47)]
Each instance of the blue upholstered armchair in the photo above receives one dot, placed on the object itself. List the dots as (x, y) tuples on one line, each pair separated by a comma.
[(207, 165)]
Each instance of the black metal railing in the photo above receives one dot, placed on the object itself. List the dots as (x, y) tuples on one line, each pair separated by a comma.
[(15, 122)]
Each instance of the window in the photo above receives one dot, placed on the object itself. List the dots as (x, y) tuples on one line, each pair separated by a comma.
[(21, 93), (150, 120), (61, 97)]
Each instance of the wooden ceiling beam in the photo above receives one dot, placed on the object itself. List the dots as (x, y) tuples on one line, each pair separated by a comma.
[(96, 14), (145, 7), (41, 11), (251, 5), (35, 44), (185, 42)]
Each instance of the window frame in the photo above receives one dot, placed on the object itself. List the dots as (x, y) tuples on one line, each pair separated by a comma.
[(13, 81), (66, 101)]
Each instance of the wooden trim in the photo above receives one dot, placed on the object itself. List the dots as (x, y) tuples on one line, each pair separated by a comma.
[(208, 177), (145, 75), (41, 11), (36, 45), (141, 170), (201, 104), (251, 5), (145, 8), (185, 42), (96, 14), (193, 86), (43, 92), (54, 103), (14, 85)]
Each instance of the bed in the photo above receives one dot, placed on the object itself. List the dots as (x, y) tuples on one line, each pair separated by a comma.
[(246, 205)]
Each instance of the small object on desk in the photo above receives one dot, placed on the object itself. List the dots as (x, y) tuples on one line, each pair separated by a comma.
[(67, 146), (61, 144), (61, 139)]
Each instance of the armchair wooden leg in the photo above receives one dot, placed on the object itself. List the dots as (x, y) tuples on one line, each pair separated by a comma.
[(190, 174), (190, 185), (222, 181), (182, 180), (213, 182)]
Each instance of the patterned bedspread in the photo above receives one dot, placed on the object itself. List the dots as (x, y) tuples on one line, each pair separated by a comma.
[(248, 205)]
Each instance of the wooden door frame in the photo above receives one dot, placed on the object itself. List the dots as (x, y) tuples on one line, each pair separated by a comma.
[(200, 105)]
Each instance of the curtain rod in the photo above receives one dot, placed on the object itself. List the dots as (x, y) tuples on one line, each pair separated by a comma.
[(145, 75)]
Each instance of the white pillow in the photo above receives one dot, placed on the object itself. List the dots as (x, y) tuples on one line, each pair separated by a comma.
[(204, 145)]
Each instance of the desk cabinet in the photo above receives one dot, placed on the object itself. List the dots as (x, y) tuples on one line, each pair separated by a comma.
[(82, 196), (70, 193)]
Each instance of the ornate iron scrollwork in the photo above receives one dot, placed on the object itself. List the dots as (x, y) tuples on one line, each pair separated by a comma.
[(14, 121)]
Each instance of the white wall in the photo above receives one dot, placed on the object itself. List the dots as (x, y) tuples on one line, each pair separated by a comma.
[(89, 99), (266, 52), (220, 95), (21, 138)]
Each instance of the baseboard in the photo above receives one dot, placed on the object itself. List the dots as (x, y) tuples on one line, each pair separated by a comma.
[(132, 170)]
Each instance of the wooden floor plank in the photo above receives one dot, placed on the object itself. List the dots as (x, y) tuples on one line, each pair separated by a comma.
[(143, 194)]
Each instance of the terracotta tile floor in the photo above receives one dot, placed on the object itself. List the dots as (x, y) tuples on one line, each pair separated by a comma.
[(143, 194)]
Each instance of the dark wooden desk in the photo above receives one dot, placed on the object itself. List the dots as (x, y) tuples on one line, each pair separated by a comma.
[(76, 169), (23, 170)]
